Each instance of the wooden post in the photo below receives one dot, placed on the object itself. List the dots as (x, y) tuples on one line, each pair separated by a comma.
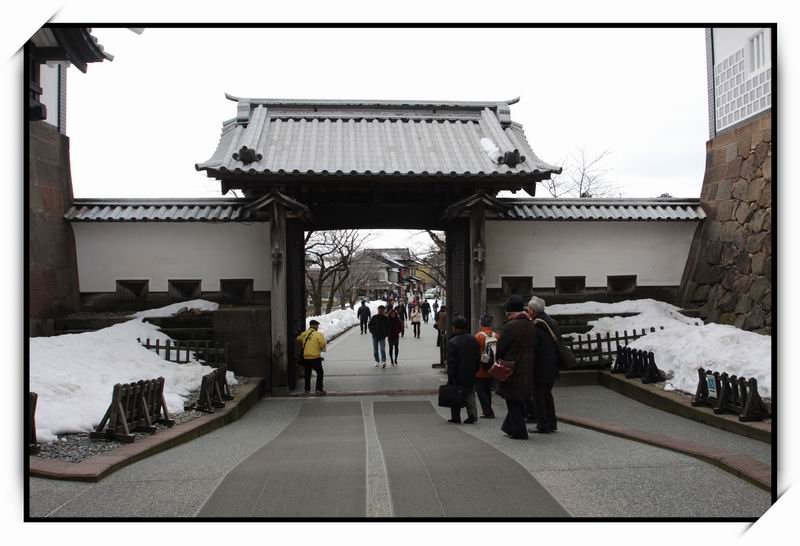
[(477, 260), (278, 300)]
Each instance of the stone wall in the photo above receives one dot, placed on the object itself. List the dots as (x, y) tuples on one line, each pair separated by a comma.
[(52, 267), (729, 273)]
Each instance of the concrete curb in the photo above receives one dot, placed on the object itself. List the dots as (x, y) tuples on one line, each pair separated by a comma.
[(96, 468), (754, 471), (677, 404)]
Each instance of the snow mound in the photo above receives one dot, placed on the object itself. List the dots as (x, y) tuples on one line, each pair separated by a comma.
[(334, 323), (74, 375), (490, 148), (169, 310), (684, 344)]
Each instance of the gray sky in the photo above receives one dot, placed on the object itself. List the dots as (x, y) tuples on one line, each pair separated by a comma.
[(138, 125)]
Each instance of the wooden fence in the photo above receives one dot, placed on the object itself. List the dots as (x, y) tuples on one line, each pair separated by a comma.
[(730, 394), (135, 407), (214, 391), (592, 351), (209, 353)]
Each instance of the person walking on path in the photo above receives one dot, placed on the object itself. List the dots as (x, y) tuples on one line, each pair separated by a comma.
[(403, 315), (313, 343), (518, 344), (545, 373), (416, 320), (396, 328), (426, 310), (440, 323), (463, 362), (487, 345), (435, 307), (379, 328), (363, 315)]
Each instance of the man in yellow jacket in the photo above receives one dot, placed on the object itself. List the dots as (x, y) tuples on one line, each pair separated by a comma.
[(313, 343)]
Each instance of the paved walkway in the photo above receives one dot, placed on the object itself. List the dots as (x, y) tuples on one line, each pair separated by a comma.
[(390, 456)]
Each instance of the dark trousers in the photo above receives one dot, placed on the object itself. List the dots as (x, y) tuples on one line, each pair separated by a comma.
[(316, 365), (394, 349), (416, 328), (364, 326), (425, 317), (483, 387), (545, 406), (469, 403), (514, 423), (442, 349)]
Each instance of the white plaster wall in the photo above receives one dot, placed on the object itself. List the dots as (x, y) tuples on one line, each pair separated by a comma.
[(655, 251), (160, 251), (729, 40)]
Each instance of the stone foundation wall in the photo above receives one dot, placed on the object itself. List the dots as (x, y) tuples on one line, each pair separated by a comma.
[(729, 274), (52, 267)]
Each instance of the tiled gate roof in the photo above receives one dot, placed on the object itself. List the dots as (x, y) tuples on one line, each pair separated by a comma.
[(400, 138)]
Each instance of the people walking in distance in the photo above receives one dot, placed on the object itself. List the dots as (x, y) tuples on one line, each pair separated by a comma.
[(426, 310), (379, 328), (440, 323), (363, 315), (545, 373), (416, 320), (435, 307), (487, 344), (463, 362), (402, 314), (313, 343), (396, 328), (517, 344)]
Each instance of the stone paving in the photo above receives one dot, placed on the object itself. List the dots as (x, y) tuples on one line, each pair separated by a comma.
[(396, 456)]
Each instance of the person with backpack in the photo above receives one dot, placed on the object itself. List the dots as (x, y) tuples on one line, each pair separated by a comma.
[(379, 328), (487, 343), (313, 343), (545, 373), (363, 315)]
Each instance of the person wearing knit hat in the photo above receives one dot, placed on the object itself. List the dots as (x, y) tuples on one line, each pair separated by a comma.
[(514, 304)]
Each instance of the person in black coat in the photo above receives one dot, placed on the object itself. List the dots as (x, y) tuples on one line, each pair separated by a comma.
[(426, 310), (517, 343), (363, 315), (379, 328), (463, 361), (545, 372)]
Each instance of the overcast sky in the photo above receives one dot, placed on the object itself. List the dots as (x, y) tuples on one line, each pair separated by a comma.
[(138, 125)]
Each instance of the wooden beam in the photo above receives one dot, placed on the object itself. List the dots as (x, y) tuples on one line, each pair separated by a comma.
[(278, 301)]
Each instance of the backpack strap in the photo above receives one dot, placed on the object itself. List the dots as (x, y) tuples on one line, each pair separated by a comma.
[(540, 321)]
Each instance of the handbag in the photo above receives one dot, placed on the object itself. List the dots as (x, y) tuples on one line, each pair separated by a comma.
[(451, 396), (502, 370), (300, 359), (566, 359)]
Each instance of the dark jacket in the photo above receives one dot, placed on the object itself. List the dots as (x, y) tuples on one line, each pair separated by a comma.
[(395, 328), (401, 311), (364, 313), (379, 326), (546, 369), (463, 359), (425, 307), (516, 329)]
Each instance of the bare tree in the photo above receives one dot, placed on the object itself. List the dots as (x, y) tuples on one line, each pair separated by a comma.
[(329, 255), (353, 285), (432, 259), (582, 175)]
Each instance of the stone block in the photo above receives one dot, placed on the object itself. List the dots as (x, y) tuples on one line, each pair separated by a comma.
[(754, 319), (762, 150), (726, 282), (748, 167), (757, 263), (700, 293), (742, 284), (754, 189), (744, 144), (713, 231), (743, 212), (742, 263), (711, 314), (713, 253), (708, 274), (719, 157), (728, 255), (766, 302), (727, 302), (739, 322), (739, 190), (768, 268), (728, 231), (765, 199), (766, 170), (727, 318), (760, 287), (733, 168), (724, 189), (730, 152), (743, 304), (755, 243), (725, 210)]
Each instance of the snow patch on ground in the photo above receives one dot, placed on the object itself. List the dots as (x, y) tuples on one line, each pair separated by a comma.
[(169, 310), (74, 375), (684, 344)]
